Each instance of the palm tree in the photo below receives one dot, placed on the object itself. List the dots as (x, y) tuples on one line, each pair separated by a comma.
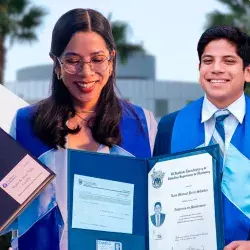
[(238, 15), (121, 30), (18, 21)]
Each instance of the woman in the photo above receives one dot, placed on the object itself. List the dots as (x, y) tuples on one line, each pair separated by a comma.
[(82, 112)]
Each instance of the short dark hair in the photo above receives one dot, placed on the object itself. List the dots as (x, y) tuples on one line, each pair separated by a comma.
[(52, 114), (232, 34), (157, 203)]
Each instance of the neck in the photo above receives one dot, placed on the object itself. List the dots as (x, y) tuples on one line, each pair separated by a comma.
[(223, 103), (86, 107)]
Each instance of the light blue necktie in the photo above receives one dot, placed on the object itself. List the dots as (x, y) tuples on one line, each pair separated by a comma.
[(218, 136)]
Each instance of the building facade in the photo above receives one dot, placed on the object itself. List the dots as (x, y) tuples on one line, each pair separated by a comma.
[(135, 81)]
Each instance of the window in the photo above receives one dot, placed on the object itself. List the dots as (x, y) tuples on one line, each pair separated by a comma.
[(161, 107)]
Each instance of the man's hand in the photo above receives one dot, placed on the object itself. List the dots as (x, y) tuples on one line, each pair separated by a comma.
[(238, 245)]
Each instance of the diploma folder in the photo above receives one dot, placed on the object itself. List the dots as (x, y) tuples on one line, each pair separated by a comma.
[(22, 178), (87, 169)]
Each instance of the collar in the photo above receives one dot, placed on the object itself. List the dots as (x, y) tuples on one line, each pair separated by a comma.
[(103, 149), (237, 109)]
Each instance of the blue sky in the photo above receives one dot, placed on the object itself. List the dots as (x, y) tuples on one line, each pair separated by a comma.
[(169, 30)]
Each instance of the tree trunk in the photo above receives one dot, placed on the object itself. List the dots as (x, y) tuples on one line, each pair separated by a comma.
[(2, 59)]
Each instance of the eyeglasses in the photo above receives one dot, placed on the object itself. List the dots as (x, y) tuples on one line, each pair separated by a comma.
[(73, 64)]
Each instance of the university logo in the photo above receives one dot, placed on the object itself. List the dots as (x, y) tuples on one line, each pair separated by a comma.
[(157, 178)]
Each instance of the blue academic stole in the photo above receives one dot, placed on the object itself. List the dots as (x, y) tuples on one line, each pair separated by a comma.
[(188, 132), (46, 231), (134, 134)]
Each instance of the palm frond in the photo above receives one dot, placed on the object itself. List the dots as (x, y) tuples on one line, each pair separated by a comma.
[(17, 6), (119, 31), (218, 18), (246, 2), (4, 23), (32, 18), (25, 36), (238, 15), (236, 6), (18, 22), (4, 4), (126, 49)]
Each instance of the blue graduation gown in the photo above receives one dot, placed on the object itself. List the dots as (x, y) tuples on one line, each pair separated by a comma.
[(40, 226)]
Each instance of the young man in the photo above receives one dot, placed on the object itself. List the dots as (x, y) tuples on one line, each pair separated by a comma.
[(221, 116), (158, 217)]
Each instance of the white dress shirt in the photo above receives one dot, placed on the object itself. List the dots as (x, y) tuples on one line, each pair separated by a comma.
[(237, 112)]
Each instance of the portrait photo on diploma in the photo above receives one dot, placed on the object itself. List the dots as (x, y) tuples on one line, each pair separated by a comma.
[(158, 217)]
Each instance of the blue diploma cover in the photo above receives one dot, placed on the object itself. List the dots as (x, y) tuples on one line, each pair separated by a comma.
[(123, 203)]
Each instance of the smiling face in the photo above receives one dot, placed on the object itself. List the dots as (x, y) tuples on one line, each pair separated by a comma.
[(221, 73), (86, 85)]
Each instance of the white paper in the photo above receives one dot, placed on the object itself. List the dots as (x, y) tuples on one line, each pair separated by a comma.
[(108, 245), (102, 205), (9, 104), (24, 179), (185, 192)]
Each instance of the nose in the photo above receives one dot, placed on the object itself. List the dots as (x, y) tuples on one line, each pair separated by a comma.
[(218, 67), (85, 70)]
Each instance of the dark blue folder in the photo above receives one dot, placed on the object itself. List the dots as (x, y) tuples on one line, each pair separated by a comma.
[(11, 153), (128, 170)]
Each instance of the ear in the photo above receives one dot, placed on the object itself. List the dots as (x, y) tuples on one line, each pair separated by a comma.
[(113, 53), (56, 65), (111, 65), (199, 77), (199, 66), (57, 70), (247, 74)]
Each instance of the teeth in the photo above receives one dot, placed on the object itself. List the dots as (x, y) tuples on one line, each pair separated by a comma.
[(217, 81), (86, 85)]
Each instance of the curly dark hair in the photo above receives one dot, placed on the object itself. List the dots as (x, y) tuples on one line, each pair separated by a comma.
[(52, 114)]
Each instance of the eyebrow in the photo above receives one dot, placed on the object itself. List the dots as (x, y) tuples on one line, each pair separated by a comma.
[(226, 56), (76, 54), (97, 52), (231, 56)]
